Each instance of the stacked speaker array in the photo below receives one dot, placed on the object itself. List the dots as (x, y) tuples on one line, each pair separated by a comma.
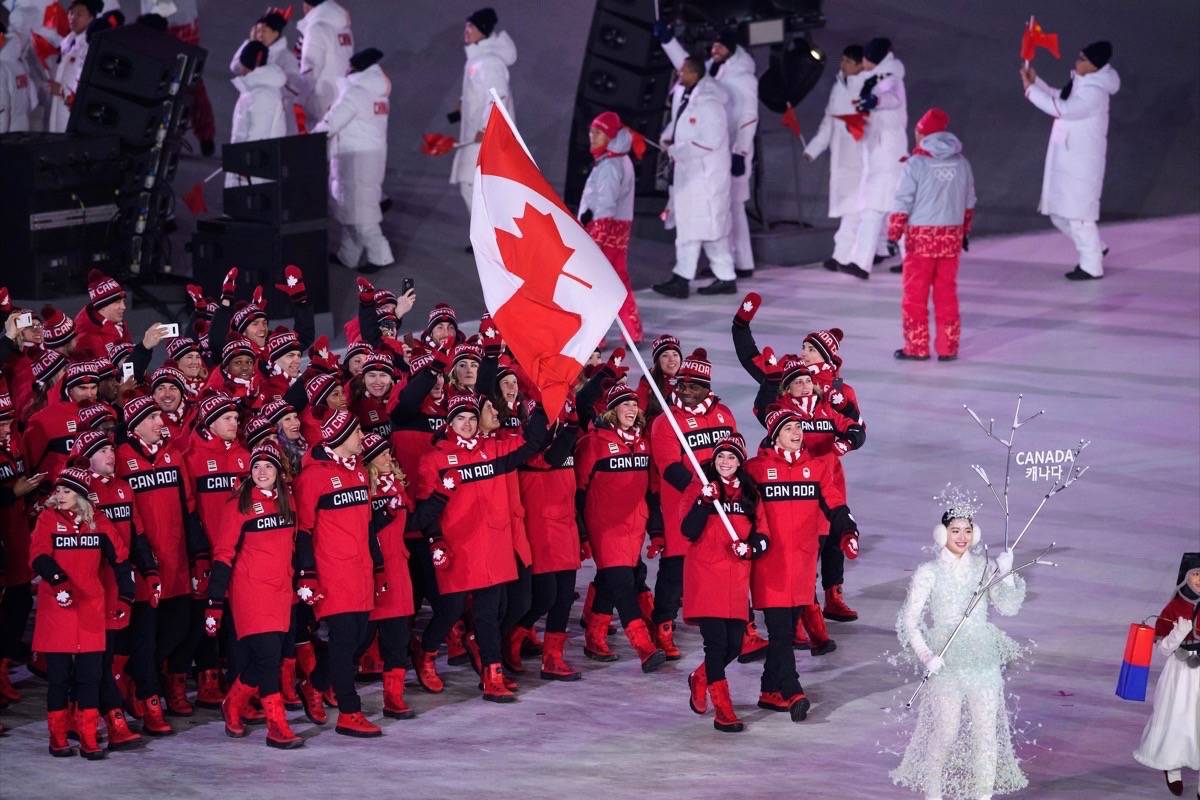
[(137, 85), (275, 202)]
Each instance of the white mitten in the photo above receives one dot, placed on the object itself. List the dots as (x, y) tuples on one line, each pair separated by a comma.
[(1172, 640), (934, 664)]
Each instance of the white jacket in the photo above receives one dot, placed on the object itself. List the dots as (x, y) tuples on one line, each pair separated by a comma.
[(609, 190), (326, 44), (699, 148), (18, 97), (258, 113), (845, 154), (280, 55), (486, 69), (357, 126), (886, 139), (72, 54), (1075, 157)]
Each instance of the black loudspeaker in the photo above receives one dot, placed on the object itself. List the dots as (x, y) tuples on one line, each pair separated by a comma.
[(98, 112), (260, 252), (291, 179), (275, 203), (626, 42), (616, 86), (138, 62), (639, 10)]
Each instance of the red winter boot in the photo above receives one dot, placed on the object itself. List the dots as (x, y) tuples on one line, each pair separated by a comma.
[(279, 733), (494, 688), (231, 708), (89, 746), (208, 689), (772, 701), (554, 665), (329, 698), (427, 674), (306, 660), (646, 607), (725, 718), (120, 737), (532, 646), (357, 725), (135, 707), (595, 638), (698, 685), (393, 695), (287, 685), (177, 702), (511, 650), (8, 694), (836, 608), (798, 706), (58, 722), (800, 640), (456, 649), (815, 623), (370, 664), (639, 636), (153, 723), (754, 646), (314, 708), (665, 633), (585, 613)]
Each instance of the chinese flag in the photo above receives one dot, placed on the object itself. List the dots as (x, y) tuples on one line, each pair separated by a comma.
[(194, 199), (638, 148), (546, 283), (437, 144), (55, 18), (856, 124), (43, 49), (1034, 37), (790, 122)]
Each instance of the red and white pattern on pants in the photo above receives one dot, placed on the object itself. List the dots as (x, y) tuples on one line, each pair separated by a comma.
[(612, 235), (936, 241), (921, 274)]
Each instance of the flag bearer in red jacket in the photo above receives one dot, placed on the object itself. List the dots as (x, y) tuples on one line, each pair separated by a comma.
[(797, 495), (333, 518), (465, 509), (612, 472), (252, 570), (70, 545), (716, 573)]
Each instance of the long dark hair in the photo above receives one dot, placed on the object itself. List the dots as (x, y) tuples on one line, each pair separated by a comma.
[(245, 502), (749, 488)]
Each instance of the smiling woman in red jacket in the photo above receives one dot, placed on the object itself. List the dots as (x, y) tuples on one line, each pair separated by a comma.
[(252, 564), (70, 544)]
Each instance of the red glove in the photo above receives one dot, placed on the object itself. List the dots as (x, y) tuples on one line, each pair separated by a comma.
[(366, 291), (850, 545), (569, 413), (5, 301), (381, 586), (613, 365), (212, 619), (657, 545), (309, 590), (530, 407), (122, 610), (201, 572), (747, 309), (841, 447), (62, 593), (257, 297), (229, 285), (154, 587), (443, 354), (585, 551), (489, 334), (196, 293), (708, 494), (293, 284), (769, 364), (838, 400), (440, 552), (320, 357)]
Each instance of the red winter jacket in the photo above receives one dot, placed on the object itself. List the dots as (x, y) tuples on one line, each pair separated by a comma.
[(114, 498), (93, 334), (162, 490), (613, 477), (248, 392), (14, 516), (716, 582), (415, 420), (704, 430), (797, 501), (179, 425), (252, 564), (389, 516), (311, 418), (70, 554), (18, 372), (333, 519), (1177, 607), (48, 438), (548, 488), (216, 466), (375, 414), (520, 535)]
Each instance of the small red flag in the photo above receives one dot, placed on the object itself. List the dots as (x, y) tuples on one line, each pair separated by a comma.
[(194, 199), (1034, 37), (437, 144), (856, 124), (43, 50), (55, 18), (301, 117), (790, 122), (638, 148)]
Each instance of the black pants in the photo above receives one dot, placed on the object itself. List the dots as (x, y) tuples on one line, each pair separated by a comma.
[(779, 670), (175, 642), (349, 635), (204, 649), (640, 573), (668, 589), (833, 562), (15, 607), (422, 573), (157, 634), (110, 695), (73, 674), (260, 655), (303, 623), (617, 587), (393, 642), (553, 594), (722, 644), (488, 609), (518, 597)]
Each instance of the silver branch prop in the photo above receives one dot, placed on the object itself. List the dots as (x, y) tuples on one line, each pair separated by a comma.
[(987, 580)]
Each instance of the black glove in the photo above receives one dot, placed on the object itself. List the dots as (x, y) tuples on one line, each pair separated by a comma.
[(737, 165), (663, 31), (893, 247), (868, 103), (585, 217), (966, 243), (454, 117)]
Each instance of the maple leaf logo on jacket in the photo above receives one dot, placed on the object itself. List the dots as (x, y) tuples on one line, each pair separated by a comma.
[(448, 482)]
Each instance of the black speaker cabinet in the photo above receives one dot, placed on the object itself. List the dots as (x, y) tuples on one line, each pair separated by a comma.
[(141, 63)]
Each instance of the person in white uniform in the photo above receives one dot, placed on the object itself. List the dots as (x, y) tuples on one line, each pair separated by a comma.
[(269, 31), (1075, 158), (258, 113), (72, 54), (326, 44), (18, 97)]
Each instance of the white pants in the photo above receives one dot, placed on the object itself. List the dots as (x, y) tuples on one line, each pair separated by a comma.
[(866, 238), (844, 236), (739, 236), (468, 194), (1086, 237), (720, 260), (357, 238)]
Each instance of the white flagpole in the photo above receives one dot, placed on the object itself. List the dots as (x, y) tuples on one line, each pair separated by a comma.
[(675, 426), (504, 113)]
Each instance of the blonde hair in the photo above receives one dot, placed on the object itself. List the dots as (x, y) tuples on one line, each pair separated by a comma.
[(83, 508), (610, 419)]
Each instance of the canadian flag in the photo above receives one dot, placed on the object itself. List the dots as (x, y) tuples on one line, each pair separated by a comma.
[(547, 285)]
